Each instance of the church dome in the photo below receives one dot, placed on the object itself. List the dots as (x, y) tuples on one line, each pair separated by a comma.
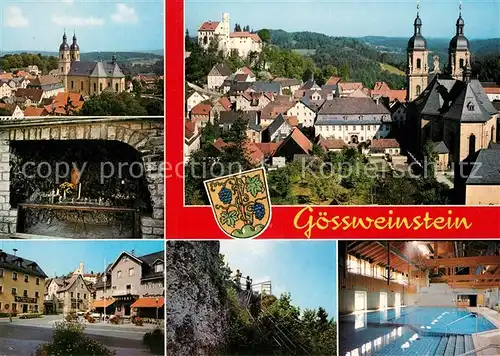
[(417, 42), (74, 46), (64, 45), (459, 42)]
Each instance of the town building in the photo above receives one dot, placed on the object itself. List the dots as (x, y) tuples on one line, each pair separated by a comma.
[(353, 120), (88, 78), (217, 76), (304, 111), (132, 285), (243, 42), (194, 99), (192, 139), (50, 85), (22, 284), (67, 295)]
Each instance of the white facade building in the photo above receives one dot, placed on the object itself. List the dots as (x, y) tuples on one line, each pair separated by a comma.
[(305, 115), (242, 42), (194, 99)]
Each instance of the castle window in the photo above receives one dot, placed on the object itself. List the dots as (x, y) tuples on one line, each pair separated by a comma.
[(492, 133), (62, 56), (116, 87), (472, 144), (418, 89), (81, 85), (95, 87), (100, 86), (72, 84), (461, 62), (419, 63)]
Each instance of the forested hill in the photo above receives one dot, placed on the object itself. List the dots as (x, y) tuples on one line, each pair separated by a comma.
[(362, 61)]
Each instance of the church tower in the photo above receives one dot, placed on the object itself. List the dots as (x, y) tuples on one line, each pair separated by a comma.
[(74, 50), (418, 68), (459, 53), (64, 60)]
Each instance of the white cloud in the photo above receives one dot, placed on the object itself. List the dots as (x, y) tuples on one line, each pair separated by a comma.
[(124, 14), (14, 17), (77, 21)]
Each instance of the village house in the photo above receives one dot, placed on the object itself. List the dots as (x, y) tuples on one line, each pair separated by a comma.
[(252, 101), (32, 111), (132, 285), (331, 144), (443, 155), (5, 90), (217, 75), (194, 99), (248, 72), (272, 110), (201, 114), (192, 139), (227, 118), (384, 146), (290, 85), (71, 295), (278, 130), (346, 89), (22, 284), (221, 105), (14, 110), (28, 97), (304, 111), (353, 120), (492, 90), (296, 143), (50, 85)]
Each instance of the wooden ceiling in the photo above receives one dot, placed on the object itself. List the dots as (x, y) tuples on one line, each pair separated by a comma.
[(478, 269)]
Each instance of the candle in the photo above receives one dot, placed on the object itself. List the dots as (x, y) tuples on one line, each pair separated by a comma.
[(79, 190), (64, 194), (57, 192)]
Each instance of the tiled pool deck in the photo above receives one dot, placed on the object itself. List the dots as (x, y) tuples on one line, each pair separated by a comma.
[(487, 337)]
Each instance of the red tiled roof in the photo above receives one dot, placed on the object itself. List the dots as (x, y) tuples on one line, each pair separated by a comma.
[(331, 143), (190, 129), (254, 152), (6, 76), (350, 86), (28, 93), (33, 111), (333, 81), (61, 99), (492, 90), (267, 148), (149, 303), (381, 86), (247, 70), (201, 109), (274, 108), (219, 144), (292, 120), (384, 143), (209, 26), (241, 77), (225, 102), (301, 140), (243, 34)]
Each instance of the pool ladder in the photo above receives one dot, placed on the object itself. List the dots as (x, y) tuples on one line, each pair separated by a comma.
[(454, 321)]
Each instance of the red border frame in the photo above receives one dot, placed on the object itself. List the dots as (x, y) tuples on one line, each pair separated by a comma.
[(198, 222)]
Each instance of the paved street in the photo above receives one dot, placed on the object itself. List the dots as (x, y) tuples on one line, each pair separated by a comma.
[(21, 337)]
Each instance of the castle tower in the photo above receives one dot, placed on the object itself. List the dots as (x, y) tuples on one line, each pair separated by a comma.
[(225, 39), (459, 53), (418, 70), (64, 61), (74, 50)]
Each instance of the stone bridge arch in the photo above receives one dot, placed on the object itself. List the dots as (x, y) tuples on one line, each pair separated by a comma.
[(144, 134)]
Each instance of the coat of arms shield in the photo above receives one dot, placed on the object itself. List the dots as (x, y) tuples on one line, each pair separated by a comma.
[(240, 203)]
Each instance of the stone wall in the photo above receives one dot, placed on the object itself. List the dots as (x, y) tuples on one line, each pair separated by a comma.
[(144, 134), (197, 318)]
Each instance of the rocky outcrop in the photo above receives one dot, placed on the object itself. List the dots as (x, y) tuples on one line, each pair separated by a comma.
[(197, 316)]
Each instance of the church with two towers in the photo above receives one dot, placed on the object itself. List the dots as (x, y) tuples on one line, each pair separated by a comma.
[(87, 77), (447, 108)]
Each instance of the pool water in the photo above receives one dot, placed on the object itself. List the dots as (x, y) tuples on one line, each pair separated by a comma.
[(427, 319), (408, 331)]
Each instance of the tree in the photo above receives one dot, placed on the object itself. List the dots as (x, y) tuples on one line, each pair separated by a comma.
[(108, 104), (264, 35), (188, 42), (70, 108), (4, 112), (237, 28)]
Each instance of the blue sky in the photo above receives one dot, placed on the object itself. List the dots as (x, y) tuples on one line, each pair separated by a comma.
[(61, 257), (105, 25), (354, 18), (306, 269)]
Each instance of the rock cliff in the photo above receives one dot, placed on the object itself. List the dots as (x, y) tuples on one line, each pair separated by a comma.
[(197, 317)]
